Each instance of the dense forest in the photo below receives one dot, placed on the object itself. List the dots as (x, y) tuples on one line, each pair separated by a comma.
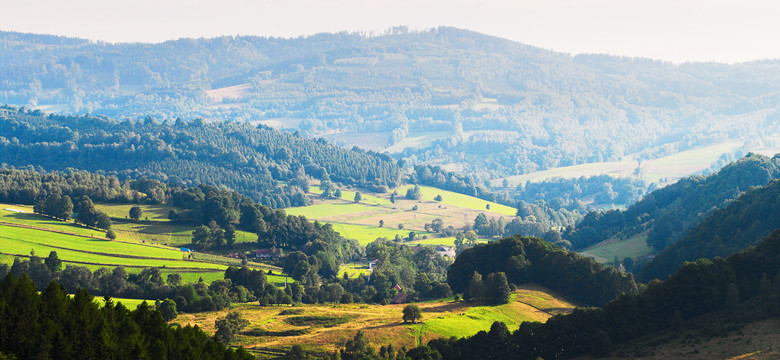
[(740, 224), (53, 325), (597, 190), (489, 106), (532, 260), (667, 213), (256, 161), (720, 295)]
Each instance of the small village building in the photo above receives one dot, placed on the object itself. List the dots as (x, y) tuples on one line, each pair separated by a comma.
[(399, 299), (266, 254), (445, 251)]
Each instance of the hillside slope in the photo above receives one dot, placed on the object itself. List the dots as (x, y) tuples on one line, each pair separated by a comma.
[(725, 293), (248, 159), (482, 104), (667, 213), (740, 224)]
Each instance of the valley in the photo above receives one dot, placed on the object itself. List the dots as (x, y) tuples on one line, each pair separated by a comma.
[(415, 194)]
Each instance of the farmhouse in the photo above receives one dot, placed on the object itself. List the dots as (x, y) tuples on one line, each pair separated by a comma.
[(272, 253), (445, 251), (399, 299)]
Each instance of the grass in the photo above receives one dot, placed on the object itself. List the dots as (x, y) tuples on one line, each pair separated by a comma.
[(26, 232), (354, 270), (417, 140), (605, 251), (662, 170), (21, 241), (446, 241), (367, 234), (326, 327), (459, 200), (149, 212), (334, 209), (317, 320), (360, 221)]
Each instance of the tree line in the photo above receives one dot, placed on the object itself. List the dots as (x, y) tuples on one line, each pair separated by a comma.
[(52, 324), (251, 160), (524, 260)]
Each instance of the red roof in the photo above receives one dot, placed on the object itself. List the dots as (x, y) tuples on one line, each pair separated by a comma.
[(399, 299)]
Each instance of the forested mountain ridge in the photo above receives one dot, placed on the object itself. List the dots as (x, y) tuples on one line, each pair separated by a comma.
[(252, 160), (730, 229), (487, 106), (667, 213)]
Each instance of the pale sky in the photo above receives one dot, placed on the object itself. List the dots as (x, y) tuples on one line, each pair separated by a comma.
[(671, 30)]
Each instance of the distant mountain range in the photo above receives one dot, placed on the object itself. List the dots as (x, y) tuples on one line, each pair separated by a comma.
[(482, 105)]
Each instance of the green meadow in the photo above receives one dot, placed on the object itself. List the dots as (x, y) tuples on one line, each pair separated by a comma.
[(332, 209), (149, 212), (366, 234), (22, 233), (605, 251), (360, 221), (459, 200), (71, 248), (354, 270)]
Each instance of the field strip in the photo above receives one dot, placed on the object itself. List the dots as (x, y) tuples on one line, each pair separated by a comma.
[(178, 269), (124, 256), (5, 223)]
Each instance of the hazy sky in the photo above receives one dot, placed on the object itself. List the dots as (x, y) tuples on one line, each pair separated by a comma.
[(673, 30)]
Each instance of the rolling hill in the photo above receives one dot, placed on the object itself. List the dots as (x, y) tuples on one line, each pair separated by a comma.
[(664, 215), (252, 160), (478, 104), (742, 223), (24, 232)]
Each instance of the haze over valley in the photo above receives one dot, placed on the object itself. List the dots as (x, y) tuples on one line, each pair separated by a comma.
[(413, 193)]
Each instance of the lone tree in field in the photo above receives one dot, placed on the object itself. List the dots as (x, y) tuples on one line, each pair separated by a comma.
[(412, 313), (229, 326), (136, 212), (414, 193), (358, 197)]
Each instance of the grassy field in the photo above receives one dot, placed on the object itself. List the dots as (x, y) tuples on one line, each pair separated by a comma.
[(360, 221), (336, 209), (354, 270), (327, 327), (417, 140), (459, 200), (605, 251), (664, 170), (349, 196), (149, 212), (77, 249), (24, 232), (365, 234)]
